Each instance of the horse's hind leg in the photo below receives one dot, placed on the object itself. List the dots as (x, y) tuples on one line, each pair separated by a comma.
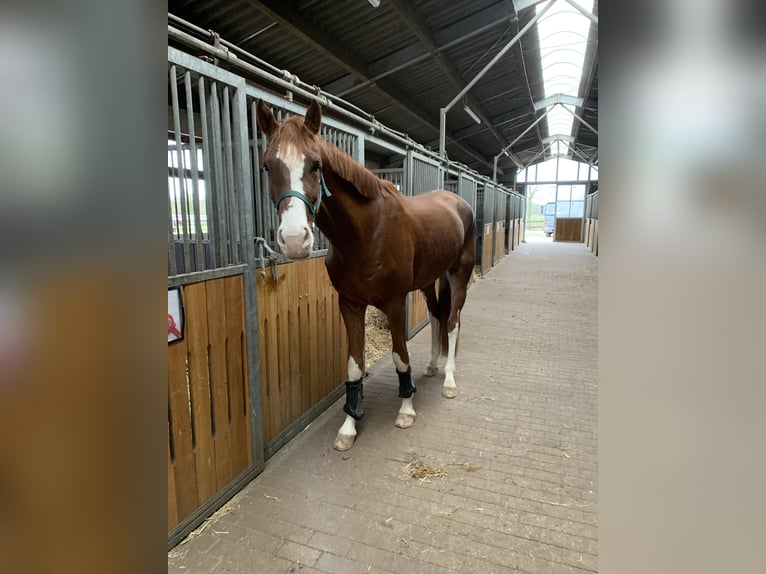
[(458, 279), (353, 317), (395, 311), (429, 292)]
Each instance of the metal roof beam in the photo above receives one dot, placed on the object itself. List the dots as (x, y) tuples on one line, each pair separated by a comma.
[(444, 38), (293, 21), (578, 154), (561, 137), (558, 99), (520, 5), (421, 30), (538, 154), (443, 111), (583, 11), (497, 121), (578, 118)]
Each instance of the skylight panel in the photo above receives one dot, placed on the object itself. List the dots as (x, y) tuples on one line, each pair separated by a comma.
[(563, 33)]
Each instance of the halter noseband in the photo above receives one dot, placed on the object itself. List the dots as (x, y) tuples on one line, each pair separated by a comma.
[(313, 207)]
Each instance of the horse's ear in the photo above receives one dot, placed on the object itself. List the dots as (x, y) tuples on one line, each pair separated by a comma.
[(266, 120), (313, 117)]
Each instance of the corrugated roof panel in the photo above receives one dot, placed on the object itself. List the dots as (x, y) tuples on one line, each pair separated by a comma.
[(361, 34)]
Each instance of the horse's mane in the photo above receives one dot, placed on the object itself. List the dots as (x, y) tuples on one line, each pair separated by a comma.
[(343, 165), (347, 168)]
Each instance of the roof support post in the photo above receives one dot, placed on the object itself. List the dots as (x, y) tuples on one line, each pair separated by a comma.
[(492, 62)]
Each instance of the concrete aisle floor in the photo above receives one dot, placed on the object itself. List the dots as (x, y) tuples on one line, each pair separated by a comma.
[(516, 451)]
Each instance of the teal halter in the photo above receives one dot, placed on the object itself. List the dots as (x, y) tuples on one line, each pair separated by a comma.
[(313, 207)]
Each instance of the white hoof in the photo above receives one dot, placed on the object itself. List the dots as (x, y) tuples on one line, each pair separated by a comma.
[(404, 421), (431, 371), (449, 392), (344, 441)]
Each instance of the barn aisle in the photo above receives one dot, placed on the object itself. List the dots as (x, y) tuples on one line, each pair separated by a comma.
[(502, 478)]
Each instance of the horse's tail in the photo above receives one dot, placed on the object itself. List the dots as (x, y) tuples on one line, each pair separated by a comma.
[(444, 298)]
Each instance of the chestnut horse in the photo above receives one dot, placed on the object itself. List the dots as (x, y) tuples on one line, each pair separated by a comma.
[(382, 246)]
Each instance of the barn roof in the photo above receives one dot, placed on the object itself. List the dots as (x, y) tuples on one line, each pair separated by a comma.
[(402, 61)]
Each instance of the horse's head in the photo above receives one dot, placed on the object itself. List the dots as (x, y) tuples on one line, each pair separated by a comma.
[(296, 184)]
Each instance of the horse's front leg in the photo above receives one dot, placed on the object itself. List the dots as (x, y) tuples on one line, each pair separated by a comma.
[(353, 317), (396, 314)]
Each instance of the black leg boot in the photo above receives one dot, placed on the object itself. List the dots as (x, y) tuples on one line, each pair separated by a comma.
[(354, 399), (406, 386)]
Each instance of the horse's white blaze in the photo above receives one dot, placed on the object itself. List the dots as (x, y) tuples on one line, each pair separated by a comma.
[(400, 365), (294, 219), (433, 364), (449, 368), (407, 408), (349, 426), (354, 372)]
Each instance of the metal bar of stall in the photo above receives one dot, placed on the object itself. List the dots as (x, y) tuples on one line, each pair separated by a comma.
[(231, 196), (200, 250), (245, 180), (181, 167), (172, 266), (213, 232), (217, 164)]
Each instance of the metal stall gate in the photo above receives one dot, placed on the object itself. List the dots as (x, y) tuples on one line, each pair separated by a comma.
[(214, 418), (451, 181), (302, 338), (466, 188), (261, 346), (516, 220), (421, 175), (488, 225), (501, 202), (521, 217), (591, 222), (395, 175)]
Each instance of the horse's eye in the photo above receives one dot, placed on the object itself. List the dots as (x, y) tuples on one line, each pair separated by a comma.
[(316, 166), (265, 167)]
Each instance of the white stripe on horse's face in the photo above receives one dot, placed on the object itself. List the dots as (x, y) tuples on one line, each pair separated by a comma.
[(294, 235)]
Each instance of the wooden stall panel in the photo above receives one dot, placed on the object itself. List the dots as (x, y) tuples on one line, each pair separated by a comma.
[(499, 240), (209, 440), (418, 312), (302, 342), (486, 250), (568, 229)]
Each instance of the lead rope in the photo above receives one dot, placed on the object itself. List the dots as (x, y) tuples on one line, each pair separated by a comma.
[(263, 248)]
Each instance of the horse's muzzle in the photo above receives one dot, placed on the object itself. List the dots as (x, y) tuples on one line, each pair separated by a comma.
[(296, 246)]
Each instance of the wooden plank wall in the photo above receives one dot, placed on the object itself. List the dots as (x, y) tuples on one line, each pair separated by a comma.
[(568, 229), (499, 240), (418, 310), (209, 440), (486, 249), (303, 342)]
